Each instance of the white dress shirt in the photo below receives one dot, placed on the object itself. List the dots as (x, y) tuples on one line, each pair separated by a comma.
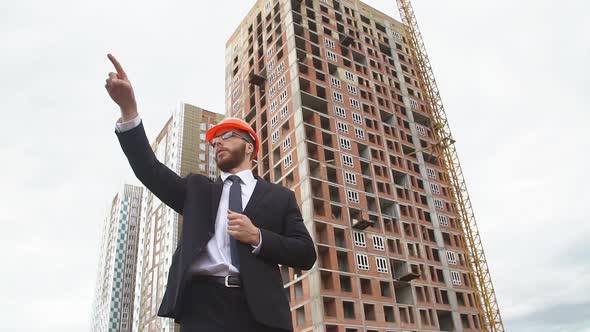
[(216, 258)]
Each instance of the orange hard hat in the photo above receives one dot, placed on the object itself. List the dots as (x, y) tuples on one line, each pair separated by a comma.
[(233, 123)]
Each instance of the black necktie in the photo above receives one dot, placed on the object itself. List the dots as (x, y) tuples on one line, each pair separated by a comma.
[(235, 204)]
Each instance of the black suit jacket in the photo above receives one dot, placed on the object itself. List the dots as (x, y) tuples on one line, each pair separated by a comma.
[(272, 208)]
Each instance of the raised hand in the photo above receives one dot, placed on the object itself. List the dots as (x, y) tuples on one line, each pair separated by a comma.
[(119, 88)]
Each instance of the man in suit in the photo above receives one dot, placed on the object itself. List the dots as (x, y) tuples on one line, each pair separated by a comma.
[(224, 275)]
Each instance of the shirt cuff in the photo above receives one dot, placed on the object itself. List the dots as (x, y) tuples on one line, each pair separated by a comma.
[(121, 126), (257, 248)]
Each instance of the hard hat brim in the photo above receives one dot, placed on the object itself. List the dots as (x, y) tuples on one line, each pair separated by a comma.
[(221, 127)]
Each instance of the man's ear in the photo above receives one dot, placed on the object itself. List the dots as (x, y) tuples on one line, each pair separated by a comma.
[(251, 149)]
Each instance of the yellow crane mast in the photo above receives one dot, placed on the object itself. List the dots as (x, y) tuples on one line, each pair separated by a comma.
[(444, 146)]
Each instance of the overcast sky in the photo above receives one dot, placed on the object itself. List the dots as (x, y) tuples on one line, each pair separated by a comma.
[(514, 78)]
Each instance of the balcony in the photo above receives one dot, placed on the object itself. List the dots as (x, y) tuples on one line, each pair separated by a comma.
[(359, 219)]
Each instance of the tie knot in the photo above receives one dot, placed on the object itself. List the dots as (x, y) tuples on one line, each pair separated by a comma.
[(234, 178)]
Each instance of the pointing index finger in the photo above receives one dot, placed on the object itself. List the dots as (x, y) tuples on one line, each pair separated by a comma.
[(121, 73)]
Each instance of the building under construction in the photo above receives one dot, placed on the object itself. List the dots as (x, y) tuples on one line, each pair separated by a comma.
[(350, 118)]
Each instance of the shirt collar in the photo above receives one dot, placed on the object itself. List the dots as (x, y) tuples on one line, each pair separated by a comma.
[(246, 175)]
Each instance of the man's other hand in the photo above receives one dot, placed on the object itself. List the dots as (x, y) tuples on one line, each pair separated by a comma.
[(241, 228)]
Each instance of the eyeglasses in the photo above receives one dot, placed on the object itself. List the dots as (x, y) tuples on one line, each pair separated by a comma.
[(225, 136)]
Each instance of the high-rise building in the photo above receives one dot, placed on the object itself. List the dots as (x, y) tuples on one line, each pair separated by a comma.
[(182, 147), (332, 89), (113, 298)]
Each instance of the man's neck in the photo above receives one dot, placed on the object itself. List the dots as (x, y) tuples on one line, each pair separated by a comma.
[(239, 169)]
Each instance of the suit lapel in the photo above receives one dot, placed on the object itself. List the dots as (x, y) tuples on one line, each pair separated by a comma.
[(216, 189), (258, 194), (260, 190)]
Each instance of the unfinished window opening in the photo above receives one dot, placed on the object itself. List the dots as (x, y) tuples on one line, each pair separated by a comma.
[(339, 238), (321, 232), (336, 212), (324, 257), (329, 307), (440, 276), (334, 194), (369, 310), (445, 320), (403, 292), (300, 314), (342, 258), (460, 298), (406, 315), (385, 287), (298, 286), (348, 308), (327, 282), (465, 321), (444, 296), (389, 314), (345, 283), (366, 286)]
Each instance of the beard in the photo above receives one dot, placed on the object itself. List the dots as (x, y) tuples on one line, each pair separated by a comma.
[(236, 158)]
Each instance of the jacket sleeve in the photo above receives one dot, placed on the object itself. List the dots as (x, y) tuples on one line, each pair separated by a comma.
[(294, 247), (159, 179)]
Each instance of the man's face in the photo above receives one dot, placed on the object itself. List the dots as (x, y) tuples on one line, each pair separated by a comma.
[(229, 153)]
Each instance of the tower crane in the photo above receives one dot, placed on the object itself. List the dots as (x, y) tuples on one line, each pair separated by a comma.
[(489, 310)]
